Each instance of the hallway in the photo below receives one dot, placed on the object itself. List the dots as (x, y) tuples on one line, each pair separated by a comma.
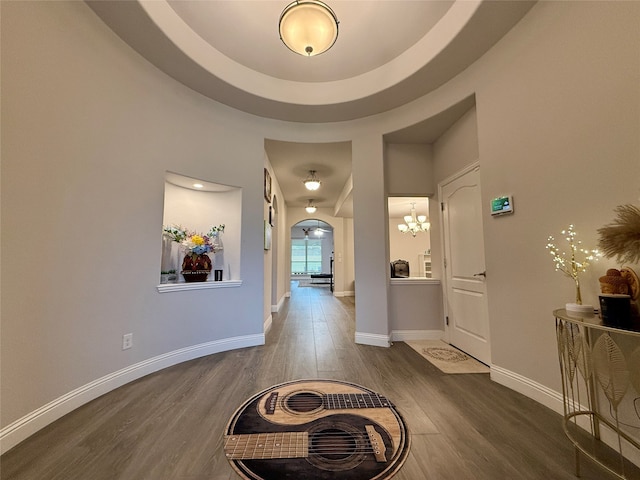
[(169, 425)]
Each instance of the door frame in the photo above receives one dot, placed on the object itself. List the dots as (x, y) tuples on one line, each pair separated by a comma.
[(460, 173)]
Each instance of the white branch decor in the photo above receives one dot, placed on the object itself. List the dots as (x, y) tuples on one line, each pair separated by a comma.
[(573, 262)]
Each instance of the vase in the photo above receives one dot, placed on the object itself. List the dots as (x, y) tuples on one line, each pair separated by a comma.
[(196, 267), (216, 242)]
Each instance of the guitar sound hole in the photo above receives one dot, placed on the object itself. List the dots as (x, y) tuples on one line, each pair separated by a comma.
[(333, 444), (336, 446), (304, 402)]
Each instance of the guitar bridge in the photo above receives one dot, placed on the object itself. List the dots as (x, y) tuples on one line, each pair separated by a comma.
[(270, 403), (377, 444)]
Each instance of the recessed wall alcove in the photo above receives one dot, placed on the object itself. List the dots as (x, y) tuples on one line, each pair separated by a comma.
[(196, 205)]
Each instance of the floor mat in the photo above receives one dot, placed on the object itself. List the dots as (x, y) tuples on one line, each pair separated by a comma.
[(446, 357)]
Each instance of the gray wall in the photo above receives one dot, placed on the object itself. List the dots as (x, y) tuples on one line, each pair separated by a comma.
[(89, 128)]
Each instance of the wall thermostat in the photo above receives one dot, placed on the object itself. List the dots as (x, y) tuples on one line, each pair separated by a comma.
[(502, 205)]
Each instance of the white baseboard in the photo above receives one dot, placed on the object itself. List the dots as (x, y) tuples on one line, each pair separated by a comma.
[(373, 339), (346, 293), (534, 390), (404, 335), (276, 308), (553, 400), (26, 426)]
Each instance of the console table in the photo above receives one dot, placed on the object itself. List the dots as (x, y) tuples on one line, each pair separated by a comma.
[(600, 370)]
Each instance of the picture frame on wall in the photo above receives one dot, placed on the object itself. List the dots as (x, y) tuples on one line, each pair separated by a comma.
[(267, 235), (267, 186)]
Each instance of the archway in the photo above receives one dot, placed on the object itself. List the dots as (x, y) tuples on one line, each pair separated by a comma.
[(312, 250)]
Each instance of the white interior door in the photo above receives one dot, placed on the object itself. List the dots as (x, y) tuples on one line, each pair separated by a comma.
[(465, 273)]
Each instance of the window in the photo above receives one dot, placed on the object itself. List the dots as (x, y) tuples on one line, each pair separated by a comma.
[(306, 256)]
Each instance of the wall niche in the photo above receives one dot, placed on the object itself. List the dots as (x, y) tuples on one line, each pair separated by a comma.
[(197, 205)]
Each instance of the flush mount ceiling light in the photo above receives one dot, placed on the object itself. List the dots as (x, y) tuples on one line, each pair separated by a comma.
[(414, 224), (312, 182), (310, 208), (308, 27)]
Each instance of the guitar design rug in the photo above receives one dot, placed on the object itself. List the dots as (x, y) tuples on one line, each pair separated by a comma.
[(320, 429)]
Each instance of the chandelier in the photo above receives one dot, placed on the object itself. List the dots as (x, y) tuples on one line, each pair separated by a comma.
[(310, 208), (312, 182), (414, 224), (308, 27)]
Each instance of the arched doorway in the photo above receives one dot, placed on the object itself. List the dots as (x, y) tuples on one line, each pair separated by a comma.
[(312, 249)]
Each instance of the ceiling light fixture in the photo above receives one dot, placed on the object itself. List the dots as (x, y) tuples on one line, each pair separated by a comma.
[(414, 224), (310, 208), (308, 27), (198, 185), (312, 182)]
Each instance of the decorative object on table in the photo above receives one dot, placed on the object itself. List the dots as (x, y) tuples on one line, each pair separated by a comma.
[(619, 300), (217, 275), (267, 186), (615, 310), (621, 238), (168, 276), (614, 283), (215, 234), (196, 263), (577, 260), (319, 429)]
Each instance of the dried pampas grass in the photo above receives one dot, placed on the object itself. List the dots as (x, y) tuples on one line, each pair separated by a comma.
[(622, 237)]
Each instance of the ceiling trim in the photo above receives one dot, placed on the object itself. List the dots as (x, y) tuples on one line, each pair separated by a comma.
[(158, 33)]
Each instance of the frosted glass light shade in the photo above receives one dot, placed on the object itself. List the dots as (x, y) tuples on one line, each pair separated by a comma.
[(311, 182), (308, 27)]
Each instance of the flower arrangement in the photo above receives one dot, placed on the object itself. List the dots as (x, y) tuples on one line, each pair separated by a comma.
[(193, 242), (576, 261)]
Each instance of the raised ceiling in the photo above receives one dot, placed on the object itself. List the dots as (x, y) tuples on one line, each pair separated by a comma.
[(387, 54)]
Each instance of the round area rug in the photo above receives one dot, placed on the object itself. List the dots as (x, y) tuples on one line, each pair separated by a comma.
[(320, 429)]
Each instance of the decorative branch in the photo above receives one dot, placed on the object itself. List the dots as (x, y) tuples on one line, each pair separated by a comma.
[(576, 261), (621, 238)]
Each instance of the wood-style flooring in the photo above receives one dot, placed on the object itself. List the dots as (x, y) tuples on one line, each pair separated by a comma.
[(169, 425)]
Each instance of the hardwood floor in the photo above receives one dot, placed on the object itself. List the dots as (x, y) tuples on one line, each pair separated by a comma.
[(169, 425)]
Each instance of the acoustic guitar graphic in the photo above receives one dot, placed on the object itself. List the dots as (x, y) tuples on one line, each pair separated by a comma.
[(316, 429)]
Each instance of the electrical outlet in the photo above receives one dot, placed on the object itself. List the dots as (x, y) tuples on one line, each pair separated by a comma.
[(127, 341)]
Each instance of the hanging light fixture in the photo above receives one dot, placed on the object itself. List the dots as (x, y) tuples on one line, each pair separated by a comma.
[(310, 208), (312, 182), (414, 224), (308, 27)]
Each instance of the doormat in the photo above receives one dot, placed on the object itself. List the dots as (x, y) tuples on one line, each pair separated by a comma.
[(320, 429), (446, 357), (311, 283)]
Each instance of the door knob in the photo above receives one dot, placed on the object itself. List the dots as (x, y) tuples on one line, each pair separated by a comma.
[(481, 274)]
